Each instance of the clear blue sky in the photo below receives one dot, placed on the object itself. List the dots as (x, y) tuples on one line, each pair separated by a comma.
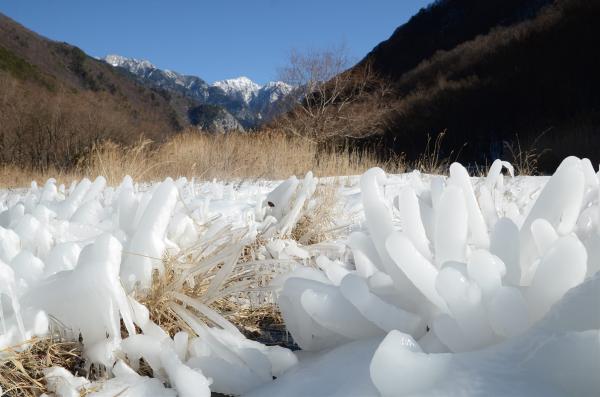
[(214, 39)]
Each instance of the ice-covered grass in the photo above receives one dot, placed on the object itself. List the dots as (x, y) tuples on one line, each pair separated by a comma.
[(138, 271), (430, 285), (464, 282)]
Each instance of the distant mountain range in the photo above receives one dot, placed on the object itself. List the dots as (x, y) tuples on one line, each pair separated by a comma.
[(248, 103)]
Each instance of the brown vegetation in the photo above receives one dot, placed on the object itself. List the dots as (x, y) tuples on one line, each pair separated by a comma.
[(56, 103), (42, 129), (494, 71), (268, 155), (481, 73), (333, 103), (22, 367)]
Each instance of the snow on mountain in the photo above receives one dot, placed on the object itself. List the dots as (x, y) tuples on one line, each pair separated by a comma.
[(190, 86), (135, 66), (263, 102), (272, 92), (247, 89), (277, 89), (241, 87), (250, 103)]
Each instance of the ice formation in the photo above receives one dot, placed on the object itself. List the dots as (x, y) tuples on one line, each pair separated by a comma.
[(442, 285), (458, 280), (77, 258)]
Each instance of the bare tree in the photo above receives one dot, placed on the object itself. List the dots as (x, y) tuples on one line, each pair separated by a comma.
[(333, 100)]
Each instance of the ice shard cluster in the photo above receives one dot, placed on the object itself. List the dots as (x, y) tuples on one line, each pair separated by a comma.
[(471, 287), (442, 285), (78, 258)]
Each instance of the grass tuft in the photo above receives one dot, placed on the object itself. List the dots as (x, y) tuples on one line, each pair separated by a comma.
[(318, 220), (22, 366)]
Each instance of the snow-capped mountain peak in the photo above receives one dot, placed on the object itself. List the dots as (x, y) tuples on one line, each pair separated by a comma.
[(137, 66), (241, 82), (277, 90), (242, 87), (249, 102), (194, 87)]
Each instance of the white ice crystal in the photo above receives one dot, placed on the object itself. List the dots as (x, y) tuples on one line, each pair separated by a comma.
[(442, 285), (482, 282)]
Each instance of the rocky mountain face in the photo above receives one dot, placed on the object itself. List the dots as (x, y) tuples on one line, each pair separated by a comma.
[(214, 119), (250, 104)]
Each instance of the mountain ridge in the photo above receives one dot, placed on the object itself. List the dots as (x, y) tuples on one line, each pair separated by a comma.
[(248, 102), (58, 102)]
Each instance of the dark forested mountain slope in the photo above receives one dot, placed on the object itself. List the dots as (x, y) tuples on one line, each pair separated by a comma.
[(488, 72), (442, 26)]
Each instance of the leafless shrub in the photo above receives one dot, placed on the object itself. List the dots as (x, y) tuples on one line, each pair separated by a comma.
[(333, 102)]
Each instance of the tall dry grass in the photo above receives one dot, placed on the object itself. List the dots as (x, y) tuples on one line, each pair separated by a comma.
[(265, 155), (260, 155), (13, 176)]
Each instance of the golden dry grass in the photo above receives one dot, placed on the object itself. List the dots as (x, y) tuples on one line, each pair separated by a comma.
[(232, 156), (201, 283), (318, 223), (21, 367), (525, 158), (12, 176), (265, 155)]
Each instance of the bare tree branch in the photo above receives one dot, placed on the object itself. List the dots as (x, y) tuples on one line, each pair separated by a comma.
[(333, 100)]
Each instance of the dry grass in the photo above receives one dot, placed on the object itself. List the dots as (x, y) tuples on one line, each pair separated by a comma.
[(21, 368), (114, 161), (317, 224), (12, 176), (265, 155), (205, 284), (218, 281), (158, 300), (431, 161), (525, 159), (264, 324)]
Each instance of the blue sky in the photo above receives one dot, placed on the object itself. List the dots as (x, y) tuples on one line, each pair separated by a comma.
[(215, 39)]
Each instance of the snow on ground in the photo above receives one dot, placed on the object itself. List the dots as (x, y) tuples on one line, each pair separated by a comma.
[(438, 286)]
